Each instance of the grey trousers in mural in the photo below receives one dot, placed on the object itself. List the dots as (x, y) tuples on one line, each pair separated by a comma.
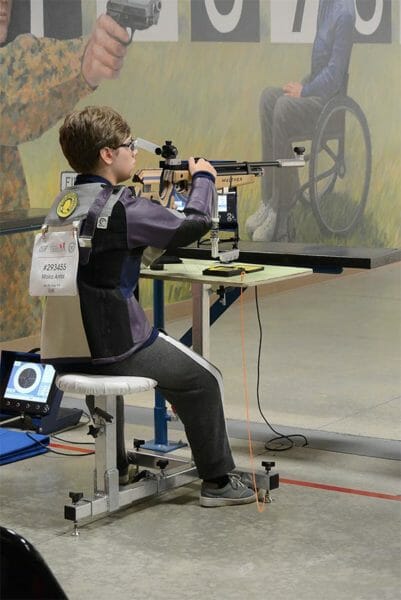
[(284, 120)]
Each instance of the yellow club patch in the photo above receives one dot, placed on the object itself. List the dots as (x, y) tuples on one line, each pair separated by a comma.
[(67, 205)]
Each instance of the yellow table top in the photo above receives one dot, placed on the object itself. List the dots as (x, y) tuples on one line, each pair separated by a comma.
[(191, 270)]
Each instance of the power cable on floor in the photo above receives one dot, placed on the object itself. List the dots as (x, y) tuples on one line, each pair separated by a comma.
[(55, 451), (56, 437), (279, 436)]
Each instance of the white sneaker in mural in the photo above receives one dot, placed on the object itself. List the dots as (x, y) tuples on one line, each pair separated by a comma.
[(253, 222), (265, 231)]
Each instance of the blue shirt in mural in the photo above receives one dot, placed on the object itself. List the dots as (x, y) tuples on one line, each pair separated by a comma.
[(331, 48)]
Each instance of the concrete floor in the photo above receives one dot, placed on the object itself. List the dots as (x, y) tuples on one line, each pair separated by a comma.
[(331, 369)]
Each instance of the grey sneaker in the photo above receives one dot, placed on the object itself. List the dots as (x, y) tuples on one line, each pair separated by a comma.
[(256, 219), (265, 231), (235, 492)]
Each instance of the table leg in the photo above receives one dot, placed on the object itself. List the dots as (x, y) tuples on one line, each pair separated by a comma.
[(201, 319)]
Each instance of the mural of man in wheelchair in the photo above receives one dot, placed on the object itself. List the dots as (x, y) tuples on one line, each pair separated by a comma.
[(318, 110)]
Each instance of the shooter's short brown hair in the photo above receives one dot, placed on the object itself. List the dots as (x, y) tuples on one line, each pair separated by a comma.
[(85, 132)]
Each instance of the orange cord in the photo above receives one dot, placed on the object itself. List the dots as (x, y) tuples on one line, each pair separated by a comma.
[(260, 505)]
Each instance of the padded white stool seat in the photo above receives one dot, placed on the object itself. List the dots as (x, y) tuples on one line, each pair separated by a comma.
[(105, 400), (103, 385)]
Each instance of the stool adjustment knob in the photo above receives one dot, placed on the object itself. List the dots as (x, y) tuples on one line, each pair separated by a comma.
[(162, 463), (268, 465), (138, 443), (76, 497), (93, 431), (70, 511)]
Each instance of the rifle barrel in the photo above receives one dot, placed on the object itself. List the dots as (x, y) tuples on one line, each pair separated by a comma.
[(223, 167), (227, 167)]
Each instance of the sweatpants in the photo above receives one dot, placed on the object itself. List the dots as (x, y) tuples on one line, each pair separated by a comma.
[(193, 386)]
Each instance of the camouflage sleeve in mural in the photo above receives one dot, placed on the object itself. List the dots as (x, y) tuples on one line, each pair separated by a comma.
[(40, 80)]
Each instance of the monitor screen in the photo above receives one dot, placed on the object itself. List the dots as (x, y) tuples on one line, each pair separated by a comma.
[(226, 204), (180, 202), (29, 381), (222, 202)]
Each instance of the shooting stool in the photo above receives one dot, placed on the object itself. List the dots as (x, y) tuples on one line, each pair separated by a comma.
[(162, 472), (105, 398)]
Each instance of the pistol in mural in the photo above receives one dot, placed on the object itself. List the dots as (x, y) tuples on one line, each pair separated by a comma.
[(134, 14), (316, 109)]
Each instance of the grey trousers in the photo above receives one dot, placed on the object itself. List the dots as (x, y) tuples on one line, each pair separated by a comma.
[(284, 120), (195, 388)]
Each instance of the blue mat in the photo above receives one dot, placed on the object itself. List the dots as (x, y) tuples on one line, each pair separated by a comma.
[(17, 445)]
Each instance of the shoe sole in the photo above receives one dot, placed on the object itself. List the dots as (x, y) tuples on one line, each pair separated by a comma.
[(212, 502)]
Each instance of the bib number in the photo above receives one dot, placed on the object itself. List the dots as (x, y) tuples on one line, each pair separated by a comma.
[(54, 264)]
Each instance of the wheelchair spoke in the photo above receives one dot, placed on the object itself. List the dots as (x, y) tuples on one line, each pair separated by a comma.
[(340, 166), (325, 174), (329, 151)]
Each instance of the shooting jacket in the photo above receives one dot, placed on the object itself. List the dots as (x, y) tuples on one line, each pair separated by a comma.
[(104, 323)]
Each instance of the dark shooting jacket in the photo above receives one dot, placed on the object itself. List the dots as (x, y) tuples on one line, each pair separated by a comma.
[(105, 323)]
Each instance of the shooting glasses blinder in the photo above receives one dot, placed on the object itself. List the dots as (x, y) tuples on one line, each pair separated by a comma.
[(132, 145)]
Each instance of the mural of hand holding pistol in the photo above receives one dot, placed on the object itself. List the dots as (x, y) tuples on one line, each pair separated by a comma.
[(41, 79)]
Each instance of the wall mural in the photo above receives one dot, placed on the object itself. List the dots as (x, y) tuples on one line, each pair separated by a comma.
[(224, 79)]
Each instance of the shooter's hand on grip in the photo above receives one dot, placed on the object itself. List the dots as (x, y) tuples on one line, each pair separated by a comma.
[(200, 165)]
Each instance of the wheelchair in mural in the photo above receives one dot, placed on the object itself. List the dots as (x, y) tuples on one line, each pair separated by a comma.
[(340, 164)]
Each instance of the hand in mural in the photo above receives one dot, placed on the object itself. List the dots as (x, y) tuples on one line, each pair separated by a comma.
[(105, 51), (5, 11), (43, 78), (293, 89)]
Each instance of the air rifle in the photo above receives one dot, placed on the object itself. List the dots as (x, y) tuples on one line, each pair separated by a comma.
[(173, 175), (158, 184)]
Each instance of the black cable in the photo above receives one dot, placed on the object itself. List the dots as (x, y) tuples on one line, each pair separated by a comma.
[(56, 437), (280, 436), (55, 451)]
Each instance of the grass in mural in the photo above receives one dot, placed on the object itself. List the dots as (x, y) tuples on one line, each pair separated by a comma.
[(205, 96)]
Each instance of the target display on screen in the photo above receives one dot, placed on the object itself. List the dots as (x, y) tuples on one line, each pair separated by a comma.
[(29, 381)]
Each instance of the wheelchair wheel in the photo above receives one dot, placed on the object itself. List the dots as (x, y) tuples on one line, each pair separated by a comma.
[(340, 166)]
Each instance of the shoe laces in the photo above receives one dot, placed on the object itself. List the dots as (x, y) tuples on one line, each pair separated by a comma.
[(235, 481)]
